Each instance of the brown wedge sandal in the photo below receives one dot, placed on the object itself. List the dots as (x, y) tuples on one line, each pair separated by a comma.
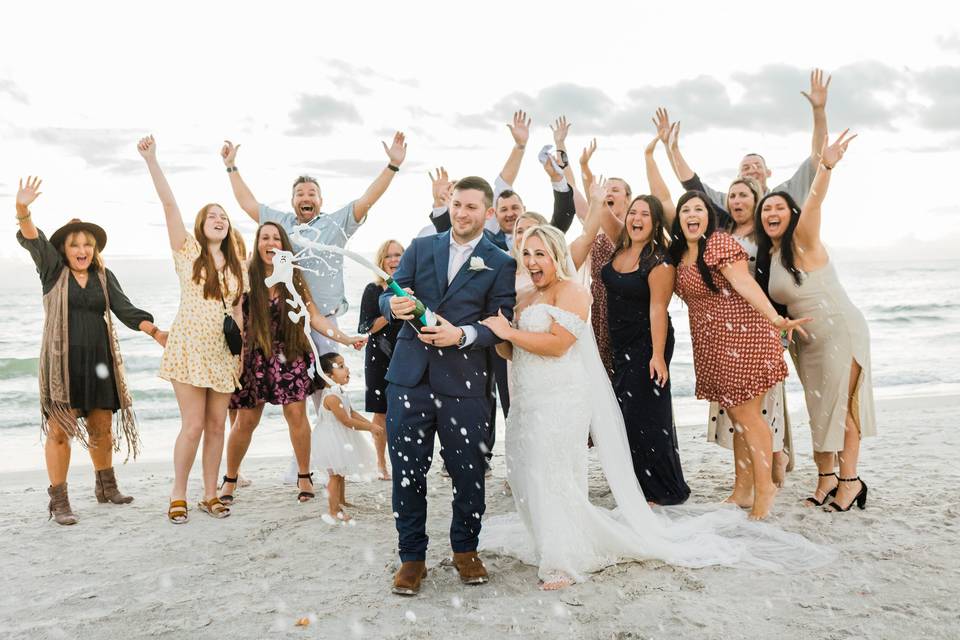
[(177, 512), (214, 508)]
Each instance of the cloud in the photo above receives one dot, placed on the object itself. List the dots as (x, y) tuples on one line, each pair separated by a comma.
[(348, 77), (10, 88), (352, 167), (112, 150), (863, 95), (318, 114), (950, 42)]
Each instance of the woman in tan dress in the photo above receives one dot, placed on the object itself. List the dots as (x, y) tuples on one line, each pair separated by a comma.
[(833, 360), (197, 360)]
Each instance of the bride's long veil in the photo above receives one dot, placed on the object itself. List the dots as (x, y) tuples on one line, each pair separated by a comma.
[(686, 535)]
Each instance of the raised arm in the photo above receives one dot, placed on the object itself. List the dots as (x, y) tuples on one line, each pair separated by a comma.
[(586, 175), (818, 102), (658, 187), (441, 186), (564, 207), (807, 233), (396, 154), (241, 191), (176, 232), (520, 130), (560, 129), (599, 212), (25, 197)]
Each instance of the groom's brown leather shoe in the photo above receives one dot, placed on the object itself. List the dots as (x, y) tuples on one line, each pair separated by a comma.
[(470, 567), (406, 582)]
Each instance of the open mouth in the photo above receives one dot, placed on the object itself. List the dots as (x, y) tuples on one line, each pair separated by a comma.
[(609, 202), (773, 224), (82, 261), (536, 277), (693, 227), (307, 208), (636, 228)]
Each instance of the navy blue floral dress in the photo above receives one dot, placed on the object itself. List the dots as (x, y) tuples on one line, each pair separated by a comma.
[(275, 379)]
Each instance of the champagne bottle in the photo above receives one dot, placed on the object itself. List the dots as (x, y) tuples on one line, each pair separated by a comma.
[(420, 311)]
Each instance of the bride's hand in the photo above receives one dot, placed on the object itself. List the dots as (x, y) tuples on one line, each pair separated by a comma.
[(658, 370), (499, 325)]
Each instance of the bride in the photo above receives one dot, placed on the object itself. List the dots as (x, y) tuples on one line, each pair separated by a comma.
[(560, 394)]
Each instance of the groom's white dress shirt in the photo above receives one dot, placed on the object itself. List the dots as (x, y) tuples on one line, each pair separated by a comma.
[(459, 255)]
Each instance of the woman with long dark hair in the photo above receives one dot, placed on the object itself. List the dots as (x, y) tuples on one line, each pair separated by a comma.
[(197, 360), (639, 283), (82, 384), (737, 354), (277, 361), (833, 361)]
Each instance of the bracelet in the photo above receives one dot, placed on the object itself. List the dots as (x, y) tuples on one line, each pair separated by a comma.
[(393, 167), (22, 218), (232, 169), (520, 146)]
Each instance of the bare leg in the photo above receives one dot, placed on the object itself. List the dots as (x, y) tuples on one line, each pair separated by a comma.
[(850, 455), (56, 450), (241, 433), (759, 441), (299, 427), (343, 495), (780, 462), (101, 438), (742, 495), (826, 463), (192, 403), (380, 445), (215, 418), (334, 493)]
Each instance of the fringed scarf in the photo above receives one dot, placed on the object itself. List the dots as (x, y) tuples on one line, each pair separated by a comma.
[(55, 371)]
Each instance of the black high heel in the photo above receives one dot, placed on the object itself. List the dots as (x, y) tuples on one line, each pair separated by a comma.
[(303, 496), (860, 499), (227, 498), (813, 500)]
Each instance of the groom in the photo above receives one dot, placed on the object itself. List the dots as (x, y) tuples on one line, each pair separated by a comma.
[(438, 378)]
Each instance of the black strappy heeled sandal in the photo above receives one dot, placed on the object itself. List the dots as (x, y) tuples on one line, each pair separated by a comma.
[(833, 492), (303, 496), (227, 498), (860, 500)]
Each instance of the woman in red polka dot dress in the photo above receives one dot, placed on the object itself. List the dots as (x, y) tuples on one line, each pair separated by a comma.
[(737, 353)]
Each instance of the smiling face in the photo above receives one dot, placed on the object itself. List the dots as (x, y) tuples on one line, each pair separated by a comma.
[(216, 223), (391, 259), (754, 166), (694, 218), (508, 210), (617, 196), (268, 239), (306, 201), (639, 222), (741, 203), (468, 211), (538, 262), (79, 248), (775, 217)]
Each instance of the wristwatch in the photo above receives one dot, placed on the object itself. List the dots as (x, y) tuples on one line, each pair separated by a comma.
[(463, 339)]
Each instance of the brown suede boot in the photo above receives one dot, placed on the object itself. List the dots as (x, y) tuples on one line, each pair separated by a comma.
[(59, 506), (470, 567), (106, 489), (407, 580)]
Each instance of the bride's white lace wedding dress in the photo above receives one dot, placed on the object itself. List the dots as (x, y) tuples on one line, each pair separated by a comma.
[(556, 402)]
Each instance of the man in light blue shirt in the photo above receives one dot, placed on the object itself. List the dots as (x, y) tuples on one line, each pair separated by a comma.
[(326, 286)]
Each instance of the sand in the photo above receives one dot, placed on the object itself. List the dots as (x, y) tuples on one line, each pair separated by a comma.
[(124, 572)]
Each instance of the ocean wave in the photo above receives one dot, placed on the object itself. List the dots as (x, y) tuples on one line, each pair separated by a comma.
[(11, 368)]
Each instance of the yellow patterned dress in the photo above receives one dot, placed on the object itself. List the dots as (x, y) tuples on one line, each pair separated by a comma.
[(196, 351)]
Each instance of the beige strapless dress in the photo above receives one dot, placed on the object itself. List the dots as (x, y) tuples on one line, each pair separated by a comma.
[(837, 336)]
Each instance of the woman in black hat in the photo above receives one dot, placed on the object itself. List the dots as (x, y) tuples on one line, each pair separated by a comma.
[(81, 374)]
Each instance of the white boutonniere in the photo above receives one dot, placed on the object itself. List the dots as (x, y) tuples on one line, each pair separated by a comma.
[(477, 264)]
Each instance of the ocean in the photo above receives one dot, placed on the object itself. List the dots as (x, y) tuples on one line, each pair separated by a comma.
[(912, 308)]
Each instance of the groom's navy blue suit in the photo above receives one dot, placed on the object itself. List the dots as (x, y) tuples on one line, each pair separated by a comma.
[(443, 390)]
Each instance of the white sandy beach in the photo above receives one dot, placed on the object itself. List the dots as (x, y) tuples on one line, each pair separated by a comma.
[(124, 572)]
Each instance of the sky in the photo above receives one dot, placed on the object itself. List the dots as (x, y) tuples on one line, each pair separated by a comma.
[(314, 88)]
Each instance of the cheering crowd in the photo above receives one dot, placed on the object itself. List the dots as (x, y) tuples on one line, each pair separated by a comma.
[(747, 261)]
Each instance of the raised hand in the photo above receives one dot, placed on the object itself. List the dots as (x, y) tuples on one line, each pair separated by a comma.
[(830, 154), (652, 145), (147, 147), (818, 89), (588, 153), (597, 190), (396, 152), (560, 128), (229, 153), (548, 166), (27, 194), (662, 122), (673, 138), (440, 186), (520, 128)]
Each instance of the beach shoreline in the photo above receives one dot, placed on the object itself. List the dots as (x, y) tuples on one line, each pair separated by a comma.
[(124, 572)]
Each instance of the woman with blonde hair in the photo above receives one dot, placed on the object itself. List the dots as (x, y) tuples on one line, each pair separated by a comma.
[(81, 372), (383, 337), (201, 359)]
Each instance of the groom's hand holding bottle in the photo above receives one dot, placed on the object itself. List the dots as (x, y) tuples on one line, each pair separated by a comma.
[(443, 334), (402, 307)]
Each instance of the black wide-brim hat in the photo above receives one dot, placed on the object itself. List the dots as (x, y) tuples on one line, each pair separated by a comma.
[(60, 235)]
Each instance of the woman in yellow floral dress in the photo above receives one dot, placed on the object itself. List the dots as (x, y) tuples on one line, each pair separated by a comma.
[(197, 360)]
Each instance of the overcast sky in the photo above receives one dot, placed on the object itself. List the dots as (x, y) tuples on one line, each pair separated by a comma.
[(314, 87)]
